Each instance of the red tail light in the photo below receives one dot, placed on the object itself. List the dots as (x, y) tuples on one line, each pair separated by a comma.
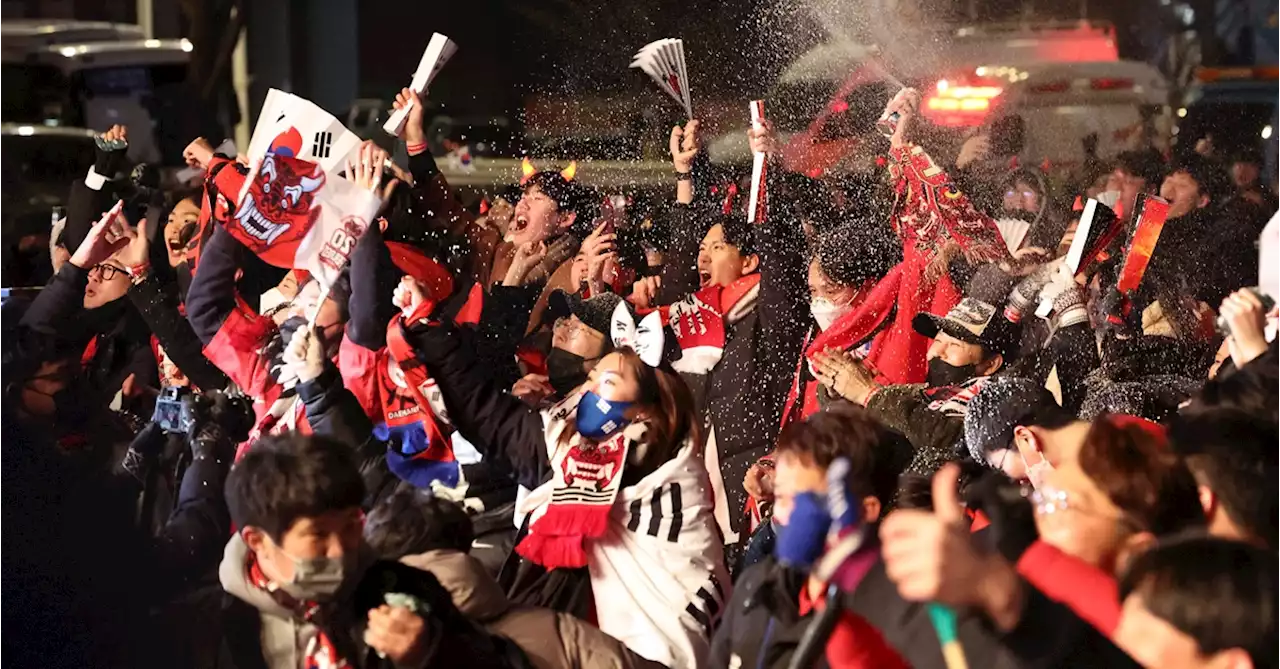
[(1111, 84), (960, 104), (1055, 87)]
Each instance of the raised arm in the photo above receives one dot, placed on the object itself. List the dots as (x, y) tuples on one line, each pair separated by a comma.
[(784, 287), (438, 199), (500, 425), (931, 210), (212, 295), (157, 301), (373, 277)]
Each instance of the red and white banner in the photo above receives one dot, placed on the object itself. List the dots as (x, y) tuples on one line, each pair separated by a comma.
[(294, 215)]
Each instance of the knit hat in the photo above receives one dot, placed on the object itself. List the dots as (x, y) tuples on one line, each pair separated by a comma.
[(1001, 405), (595, 312)]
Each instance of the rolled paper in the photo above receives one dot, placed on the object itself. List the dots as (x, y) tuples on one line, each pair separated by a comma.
[(438, 52), (756, 208)]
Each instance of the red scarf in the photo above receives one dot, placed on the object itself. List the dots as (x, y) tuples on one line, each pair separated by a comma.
[(587, 477), (698, 323), (417, 381), (320, 653)]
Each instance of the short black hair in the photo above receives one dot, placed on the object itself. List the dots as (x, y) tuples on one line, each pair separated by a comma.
[(1146, 164), (1209, 175), (737, 231), (1234, 453), (569, 196), (854, 251), (410, 522), (1221, 593), (286, 477), (877, 455)]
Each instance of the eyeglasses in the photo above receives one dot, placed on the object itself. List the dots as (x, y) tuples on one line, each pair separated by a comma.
[(106, 272), (565, 327)]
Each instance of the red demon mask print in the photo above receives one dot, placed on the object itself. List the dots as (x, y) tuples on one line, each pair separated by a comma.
[(279, 208), (587, 466)]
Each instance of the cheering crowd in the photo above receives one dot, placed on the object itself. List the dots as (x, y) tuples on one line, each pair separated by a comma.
[(936, 418)]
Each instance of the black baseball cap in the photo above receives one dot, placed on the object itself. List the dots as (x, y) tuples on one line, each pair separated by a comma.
[(1001, 405), (595, 312), (974, 321)]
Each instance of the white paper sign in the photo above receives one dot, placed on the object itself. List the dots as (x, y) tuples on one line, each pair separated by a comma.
[(1269, 259), (297, 127)]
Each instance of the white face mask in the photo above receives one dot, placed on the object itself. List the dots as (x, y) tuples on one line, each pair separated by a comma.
[(270, 300), (825, 312), (1036, 473)]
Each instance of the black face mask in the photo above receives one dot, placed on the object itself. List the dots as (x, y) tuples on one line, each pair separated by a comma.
[(565, 371), (650, 270), (943, 374)]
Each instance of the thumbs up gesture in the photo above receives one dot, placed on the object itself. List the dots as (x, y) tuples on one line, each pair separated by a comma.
[(931, 557)]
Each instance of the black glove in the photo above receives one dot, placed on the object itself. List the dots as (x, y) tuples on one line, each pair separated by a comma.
[(143, 452), (109, 159), (1119, 315), (1013, 523), (218, 420)]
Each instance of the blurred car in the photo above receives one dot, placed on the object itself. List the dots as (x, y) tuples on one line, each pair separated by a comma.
[(38, 164), (826, 102), (25, 35), (138, 83)]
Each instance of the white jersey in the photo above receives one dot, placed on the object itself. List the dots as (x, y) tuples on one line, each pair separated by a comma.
[(657, 574)]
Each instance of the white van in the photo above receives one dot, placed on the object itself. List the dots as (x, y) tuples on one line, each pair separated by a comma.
[(138, 83), (1123, 103)]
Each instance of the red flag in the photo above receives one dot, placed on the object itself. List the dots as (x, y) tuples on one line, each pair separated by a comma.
[(1151, 214)]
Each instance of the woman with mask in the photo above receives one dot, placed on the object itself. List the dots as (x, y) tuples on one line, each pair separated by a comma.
[(848, 260), (618, 527)]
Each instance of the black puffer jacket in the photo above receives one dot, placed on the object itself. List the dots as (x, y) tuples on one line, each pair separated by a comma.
[(741, 398)]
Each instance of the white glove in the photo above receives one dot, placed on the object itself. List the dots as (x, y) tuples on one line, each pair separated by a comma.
[(303, 358)]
